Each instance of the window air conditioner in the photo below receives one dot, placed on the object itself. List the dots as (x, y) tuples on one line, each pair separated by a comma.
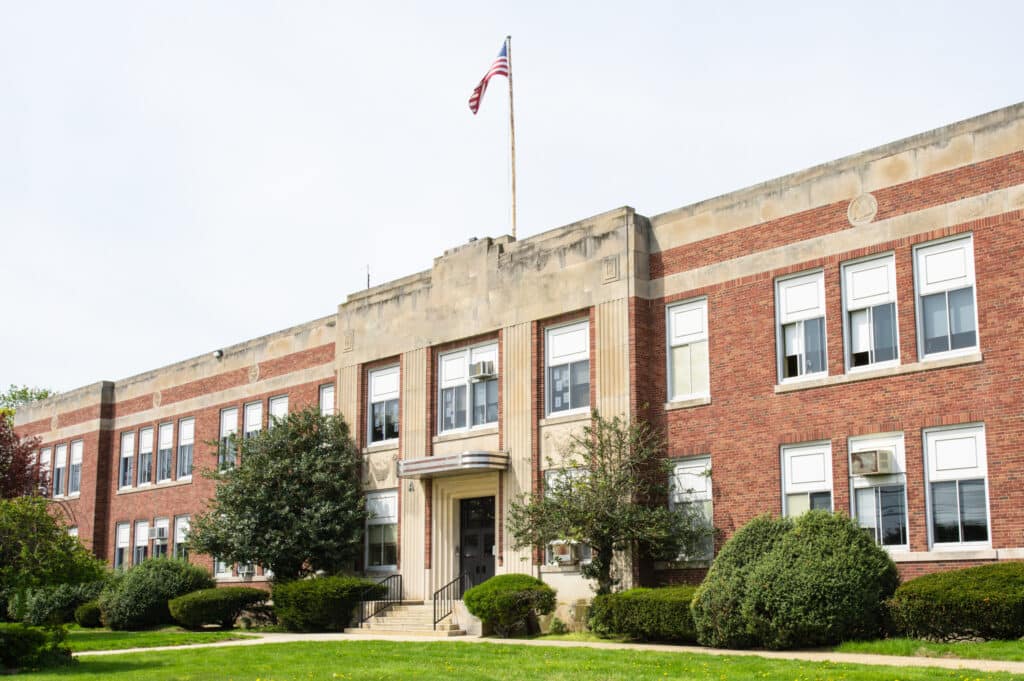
[(246, 571), (479, 371), (873, 462), (158, 533)]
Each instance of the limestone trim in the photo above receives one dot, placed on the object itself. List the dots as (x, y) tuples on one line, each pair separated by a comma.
[(469, 434), (150, 487), (900, 370), (688, 404), (568, 418)]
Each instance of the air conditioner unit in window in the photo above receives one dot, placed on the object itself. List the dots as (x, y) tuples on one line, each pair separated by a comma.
[(246, 571), (873, 462), (481, 371), (158, 533)]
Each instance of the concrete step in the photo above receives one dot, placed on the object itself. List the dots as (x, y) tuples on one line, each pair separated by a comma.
[(440, 633), (397, 624)]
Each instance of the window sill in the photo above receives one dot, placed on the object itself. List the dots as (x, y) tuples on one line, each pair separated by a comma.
[(682, 565), (561, 569), (389, 446), (688, 403), (572, 417), (234, 579), (454, 436), (866, 375), (951, 554), (153, 488)]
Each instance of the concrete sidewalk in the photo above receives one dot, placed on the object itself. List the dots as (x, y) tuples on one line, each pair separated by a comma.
[(807, 656)]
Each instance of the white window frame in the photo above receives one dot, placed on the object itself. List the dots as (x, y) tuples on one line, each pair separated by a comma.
[(933, 473), (277, 407), (481, 352), (122, 542), (182, 524), (161, 430), (141, 530), (388, 496), (553, 477), (690, 483), (73, 531), (221, 569), (325, 408), (146, 440), (799, 455), (227, 453), (127, 452), (166, 541), (695, 313), (75, 459), (377, 396), (45, 479), (869, 300), (864, 443), (921, 289), (782, 319), (568, 359), (252, 418), (60, 470), (189, 441)]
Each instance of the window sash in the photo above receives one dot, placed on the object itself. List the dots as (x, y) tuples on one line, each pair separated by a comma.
[(382, 545), (326, 400), (253, 417), (569, 386), (384, 421), (881, 510), (463, 402), (278, 409), (804, 348), (872, 335)]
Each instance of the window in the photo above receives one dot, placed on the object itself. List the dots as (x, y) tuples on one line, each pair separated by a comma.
[(688, 350), (127, 452), (880, 500), (278, 408), (468, 387), (567, 350), (60, 469), (221, 568), (382, 529), (44, 470), (691, 489), (163, 454), (186, 440), (145, 456), (327, 400), (869, 299), (800, 302), (227, 453), (181, 526), (121, 544), (807, 478), (946, 302), (141, 542), (253, 418), (383, 405), (562, 551), (75, 472), (160, 540), (73, 532), (958, 499)]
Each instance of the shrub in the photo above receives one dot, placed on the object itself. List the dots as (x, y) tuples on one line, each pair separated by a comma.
[(88, 615), (56, 604), (20, 646), (139, 598), (214, 606), (716, 608), (510, 602), (650, 614), (979, 602), (323, 603), (823, 582)]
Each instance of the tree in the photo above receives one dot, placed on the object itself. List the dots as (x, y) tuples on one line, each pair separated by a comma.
[(19, 469), (17, 396), (294, 504), (612, 496)]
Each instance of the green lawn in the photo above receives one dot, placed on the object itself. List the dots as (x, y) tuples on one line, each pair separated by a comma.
[(989, 650), (103, 639), (451, 661)]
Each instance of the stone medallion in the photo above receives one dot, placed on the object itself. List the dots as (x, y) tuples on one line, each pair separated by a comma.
[(862, 210)]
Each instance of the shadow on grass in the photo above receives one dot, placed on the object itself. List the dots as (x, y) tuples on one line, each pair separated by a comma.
[(100, 665)]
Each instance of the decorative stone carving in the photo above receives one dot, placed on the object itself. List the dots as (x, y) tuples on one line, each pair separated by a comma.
[(348, 341), (610, 267), (862, 210), (157, 398), (54, 422), (254, 373)]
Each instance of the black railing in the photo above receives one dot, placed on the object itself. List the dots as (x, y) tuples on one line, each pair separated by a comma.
[(445, 597), (369, 607)]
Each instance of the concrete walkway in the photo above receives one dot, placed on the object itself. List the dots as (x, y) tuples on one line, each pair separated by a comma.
[(807, 656)]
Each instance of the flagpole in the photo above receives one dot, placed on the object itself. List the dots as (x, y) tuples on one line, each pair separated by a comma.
[(512, 129)]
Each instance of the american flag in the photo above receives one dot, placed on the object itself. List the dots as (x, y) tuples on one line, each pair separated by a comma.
[(498, 68)]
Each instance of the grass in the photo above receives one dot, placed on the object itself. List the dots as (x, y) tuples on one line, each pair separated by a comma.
[(80, 640), (400, 661), (988, 650)]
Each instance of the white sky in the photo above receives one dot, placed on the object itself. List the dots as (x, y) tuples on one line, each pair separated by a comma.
[(180, 176)]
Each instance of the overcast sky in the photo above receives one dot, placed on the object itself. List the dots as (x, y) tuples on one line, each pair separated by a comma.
[(179, 176)]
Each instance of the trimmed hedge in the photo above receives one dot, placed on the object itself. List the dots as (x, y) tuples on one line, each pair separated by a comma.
[(138, 599), (20, 646), (56, 604), (322, 603), (648, 614), (214, 606), (88, 615), (510, 602), (984, 602)]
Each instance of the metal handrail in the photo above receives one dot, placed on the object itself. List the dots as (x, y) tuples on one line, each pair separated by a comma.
[(445, 597), (393, 594)]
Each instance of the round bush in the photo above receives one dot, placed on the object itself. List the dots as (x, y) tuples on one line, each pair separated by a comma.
[(716, 608), (980, 602), (214, 606), (823, 582), (56, 604), (510, 602), (20, 646), (88, 615), (138, 599), (322, 603), (648, 614)]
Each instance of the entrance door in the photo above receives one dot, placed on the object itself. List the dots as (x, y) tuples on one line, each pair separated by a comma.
[(477, 538)]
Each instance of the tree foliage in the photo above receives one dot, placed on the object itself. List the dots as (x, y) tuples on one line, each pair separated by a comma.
[(19, 469), (612, 496), (294, 503), (15, 396)]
